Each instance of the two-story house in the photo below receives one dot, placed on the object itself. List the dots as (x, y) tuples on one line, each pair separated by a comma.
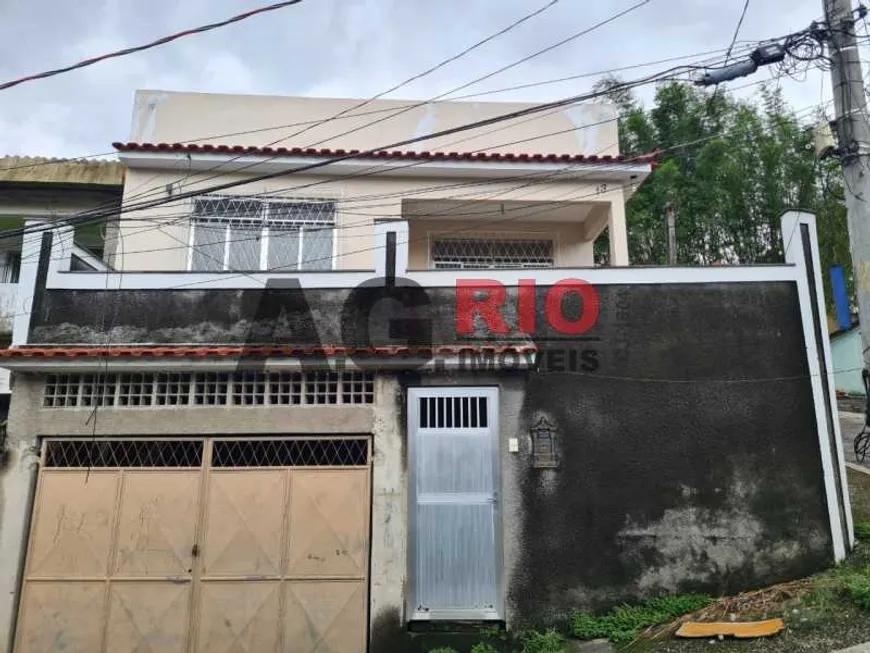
[(345, 385)]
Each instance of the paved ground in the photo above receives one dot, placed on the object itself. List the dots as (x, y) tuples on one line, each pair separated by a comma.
[(850, 426)]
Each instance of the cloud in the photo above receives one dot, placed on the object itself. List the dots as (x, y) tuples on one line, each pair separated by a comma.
[(346, 48)]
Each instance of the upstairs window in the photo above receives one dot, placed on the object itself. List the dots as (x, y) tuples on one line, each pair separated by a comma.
[(491, 253), (250, 234)]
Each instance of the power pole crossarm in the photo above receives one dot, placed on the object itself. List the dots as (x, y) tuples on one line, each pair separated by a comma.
[(853, 131)]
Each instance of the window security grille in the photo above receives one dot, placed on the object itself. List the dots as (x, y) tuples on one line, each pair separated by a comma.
[(286, 452), (290, 453), (249, 234), (209, 389), (123, 453), (453, 412), (491, 253)]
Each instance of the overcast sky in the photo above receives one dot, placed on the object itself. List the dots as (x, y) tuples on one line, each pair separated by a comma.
[(340, 48)]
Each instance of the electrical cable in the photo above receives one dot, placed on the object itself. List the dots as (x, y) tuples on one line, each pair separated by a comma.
[(547, 208), (537, 109), (426, 72), (186, 214), (737, 31), (559, 80), (148, 46), (397, 112), (514, 64), (95, 215)]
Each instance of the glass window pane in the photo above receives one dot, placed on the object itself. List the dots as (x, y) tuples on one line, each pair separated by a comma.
[(283, 249), (244, 245), (208, 246), (317, 249)]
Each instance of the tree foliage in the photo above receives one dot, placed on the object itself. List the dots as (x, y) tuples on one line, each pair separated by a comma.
[(731, 167)]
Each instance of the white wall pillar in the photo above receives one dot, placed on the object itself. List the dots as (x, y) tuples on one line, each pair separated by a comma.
[(618, 233), (31, 247), (830, 443), (400, 227)]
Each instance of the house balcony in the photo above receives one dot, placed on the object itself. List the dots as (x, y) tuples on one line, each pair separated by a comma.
[(480, 235)]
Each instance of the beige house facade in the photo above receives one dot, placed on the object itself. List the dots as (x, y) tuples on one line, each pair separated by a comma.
[(552, 179)]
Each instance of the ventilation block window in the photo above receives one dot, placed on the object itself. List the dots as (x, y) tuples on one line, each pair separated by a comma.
[(249, 389)]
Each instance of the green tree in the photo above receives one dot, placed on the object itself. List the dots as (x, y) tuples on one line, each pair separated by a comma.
[(731, 167)]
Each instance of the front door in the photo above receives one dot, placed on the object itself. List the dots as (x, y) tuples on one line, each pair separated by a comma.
[(455, 524)]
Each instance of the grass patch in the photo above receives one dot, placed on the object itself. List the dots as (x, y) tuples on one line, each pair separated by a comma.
[(626, 622), (859, 495)]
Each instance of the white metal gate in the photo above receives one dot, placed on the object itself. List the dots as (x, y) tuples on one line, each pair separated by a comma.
[(455, 526)]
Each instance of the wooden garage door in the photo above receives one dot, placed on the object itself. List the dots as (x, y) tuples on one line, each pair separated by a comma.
[(199, 545)]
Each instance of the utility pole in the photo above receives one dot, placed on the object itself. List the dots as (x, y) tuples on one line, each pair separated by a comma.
[(671, 216), (853, 132)]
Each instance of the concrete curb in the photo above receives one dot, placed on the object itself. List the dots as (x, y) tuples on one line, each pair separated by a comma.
[(860, 648), (855, 467)]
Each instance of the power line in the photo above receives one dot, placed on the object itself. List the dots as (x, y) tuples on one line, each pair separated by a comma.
[(394, 113), (523, 212), (148, 46), (95, 215), (549, 48), (375, 170), (546, 82), (86, 216), (428, 71), (737, 31)]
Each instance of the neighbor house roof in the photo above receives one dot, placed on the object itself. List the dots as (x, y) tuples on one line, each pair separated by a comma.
[(193, 148), (35, 169)]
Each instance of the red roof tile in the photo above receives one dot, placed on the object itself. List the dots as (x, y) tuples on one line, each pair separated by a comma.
[(383, 154), (152, 352)]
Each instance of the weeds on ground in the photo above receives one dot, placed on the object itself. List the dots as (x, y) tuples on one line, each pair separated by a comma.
[(626, 622), (549, 641), (837, 589), (531, 641), (483, 647)]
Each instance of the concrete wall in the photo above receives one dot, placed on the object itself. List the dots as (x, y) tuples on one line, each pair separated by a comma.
[(169, 117), (158, 238), (848, 362), (691, 456)]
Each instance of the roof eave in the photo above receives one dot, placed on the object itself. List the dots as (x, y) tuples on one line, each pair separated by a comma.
[(262, 164), (232, 364)]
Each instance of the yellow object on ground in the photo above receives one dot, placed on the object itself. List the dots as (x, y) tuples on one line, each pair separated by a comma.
[(741, 630)]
